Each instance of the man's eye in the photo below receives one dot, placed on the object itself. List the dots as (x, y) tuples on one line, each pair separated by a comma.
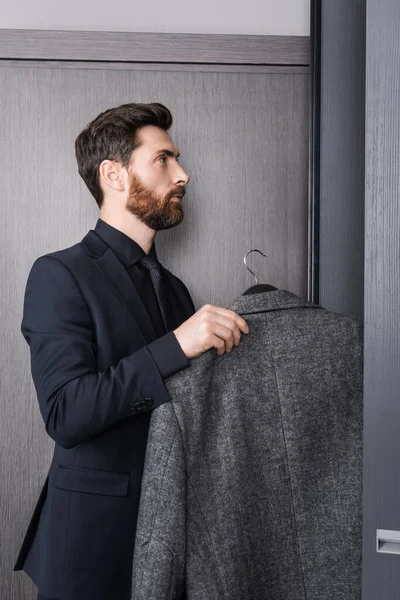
[(163, 159)]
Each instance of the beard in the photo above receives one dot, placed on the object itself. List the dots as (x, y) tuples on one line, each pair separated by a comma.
[(155, 211)]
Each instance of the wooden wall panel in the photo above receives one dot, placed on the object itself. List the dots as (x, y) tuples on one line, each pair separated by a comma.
[(243, 140), (154, 47)]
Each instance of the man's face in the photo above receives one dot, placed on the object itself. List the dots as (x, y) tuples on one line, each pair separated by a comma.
[(156, 180)]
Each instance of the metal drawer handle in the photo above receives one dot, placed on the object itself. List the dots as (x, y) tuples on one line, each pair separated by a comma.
[(387, 542)]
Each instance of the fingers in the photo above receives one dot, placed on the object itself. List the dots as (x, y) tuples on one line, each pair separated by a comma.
[(224, 316), (224, 339), (214, 327), (210, 327), (227, 330), (229, 314)]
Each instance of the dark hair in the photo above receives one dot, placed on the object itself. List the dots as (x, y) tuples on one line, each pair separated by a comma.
[(114, 135)]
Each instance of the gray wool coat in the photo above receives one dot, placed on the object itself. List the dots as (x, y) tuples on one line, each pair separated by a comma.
[(253, 474)]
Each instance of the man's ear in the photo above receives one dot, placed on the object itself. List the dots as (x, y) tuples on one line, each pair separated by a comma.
[(111, 175)]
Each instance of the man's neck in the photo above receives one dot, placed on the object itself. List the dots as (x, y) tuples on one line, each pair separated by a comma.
[(131, 226)]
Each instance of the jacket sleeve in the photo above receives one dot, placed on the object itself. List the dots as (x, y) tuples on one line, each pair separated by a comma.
[(168, 355), (76, 401), (160, 544)]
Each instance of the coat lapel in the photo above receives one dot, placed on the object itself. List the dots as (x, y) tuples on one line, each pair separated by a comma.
[(184, 300), (119, 279)]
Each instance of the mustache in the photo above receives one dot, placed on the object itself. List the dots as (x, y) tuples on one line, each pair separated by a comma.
[(178, 192)]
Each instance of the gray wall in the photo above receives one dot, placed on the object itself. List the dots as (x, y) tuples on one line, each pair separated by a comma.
[(342, 156), (382, 293)]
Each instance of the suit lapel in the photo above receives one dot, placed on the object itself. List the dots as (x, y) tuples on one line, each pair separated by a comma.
[(118, 277), (186, 306)]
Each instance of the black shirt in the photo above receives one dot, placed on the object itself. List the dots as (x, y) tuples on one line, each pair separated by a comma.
[(166, 351)]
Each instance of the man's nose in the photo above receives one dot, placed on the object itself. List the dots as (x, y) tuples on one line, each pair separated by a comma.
[(181, 176)]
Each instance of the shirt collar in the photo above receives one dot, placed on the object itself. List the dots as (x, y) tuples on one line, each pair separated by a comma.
[(127, 250)]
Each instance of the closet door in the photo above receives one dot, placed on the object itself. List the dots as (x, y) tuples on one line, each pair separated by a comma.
[(243, 137), (382, 304)]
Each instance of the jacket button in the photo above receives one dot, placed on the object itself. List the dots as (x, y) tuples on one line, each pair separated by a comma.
[(141, 406)]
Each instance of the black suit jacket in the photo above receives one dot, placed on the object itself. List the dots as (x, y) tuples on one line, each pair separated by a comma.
[(91, 339)]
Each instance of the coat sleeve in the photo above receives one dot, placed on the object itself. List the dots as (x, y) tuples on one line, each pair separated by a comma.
[(76, 401), (160, 544)]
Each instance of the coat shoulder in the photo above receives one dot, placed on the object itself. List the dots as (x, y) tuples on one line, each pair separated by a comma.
[(74, 258)]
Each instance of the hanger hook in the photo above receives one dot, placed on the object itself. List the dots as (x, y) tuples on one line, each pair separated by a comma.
[(248, 268)]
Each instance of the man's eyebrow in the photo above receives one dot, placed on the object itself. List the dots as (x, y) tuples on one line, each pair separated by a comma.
[(168, 153)]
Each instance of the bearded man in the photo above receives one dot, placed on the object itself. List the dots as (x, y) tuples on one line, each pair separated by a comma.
[(106, 324)]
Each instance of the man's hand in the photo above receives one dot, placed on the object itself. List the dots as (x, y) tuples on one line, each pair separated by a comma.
[(210, 327)]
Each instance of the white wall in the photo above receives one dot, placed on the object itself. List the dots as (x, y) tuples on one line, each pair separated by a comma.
[(265, 17)]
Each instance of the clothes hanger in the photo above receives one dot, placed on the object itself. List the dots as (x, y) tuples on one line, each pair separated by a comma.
[(259, 288)]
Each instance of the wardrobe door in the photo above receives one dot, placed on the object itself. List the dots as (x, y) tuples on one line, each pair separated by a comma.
[(381, 570)]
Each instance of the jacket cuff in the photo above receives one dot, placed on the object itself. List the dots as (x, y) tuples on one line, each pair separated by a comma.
[(168, 355)]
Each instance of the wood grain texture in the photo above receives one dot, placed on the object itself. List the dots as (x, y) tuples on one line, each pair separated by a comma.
[(243, 140), (342, 156), (153, 47), (381, 573), (248, 185)]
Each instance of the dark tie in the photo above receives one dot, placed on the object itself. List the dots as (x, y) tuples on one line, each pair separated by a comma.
[(158, 281)]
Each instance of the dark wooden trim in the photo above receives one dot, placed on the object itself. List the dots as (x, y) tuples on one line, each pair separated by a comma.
[(125, 47), (168, 67), (314, 153)]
